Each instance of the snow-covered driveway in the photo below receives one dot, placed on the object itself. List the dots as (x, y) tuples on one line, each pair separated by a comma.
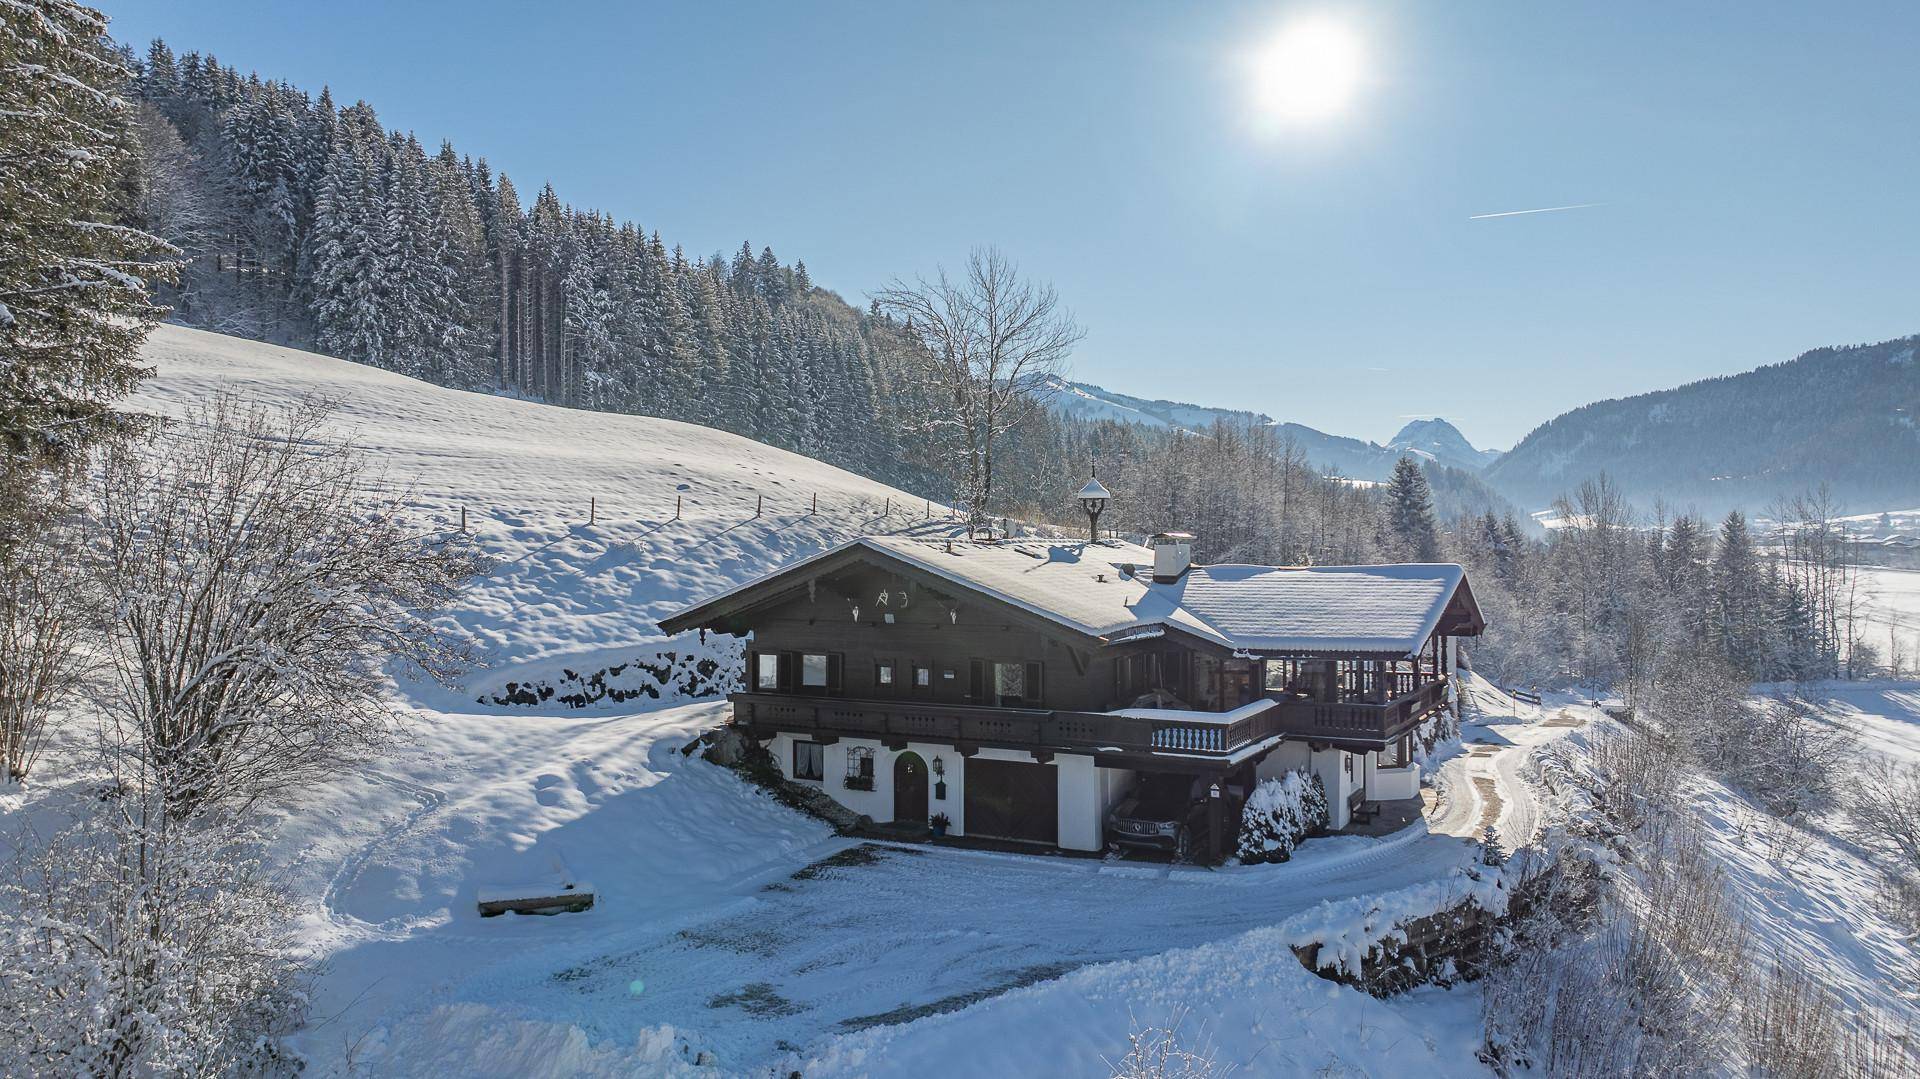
[(733, 927)]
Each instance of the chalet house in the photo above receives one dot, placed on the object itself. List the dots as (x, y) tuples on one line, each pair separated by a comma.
[(1021, 687)]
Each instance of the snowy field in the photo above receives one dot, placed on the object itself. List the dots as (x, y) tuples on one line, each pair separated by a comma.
[(1891, 608)]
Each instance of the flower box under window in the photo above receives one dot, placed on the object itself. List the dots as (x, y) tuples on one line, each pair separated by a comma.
[(859, 769)]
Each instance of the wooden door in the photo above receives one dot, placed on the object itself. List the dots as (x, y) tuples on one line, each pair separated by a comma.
[(909, 789), (1012, 800)]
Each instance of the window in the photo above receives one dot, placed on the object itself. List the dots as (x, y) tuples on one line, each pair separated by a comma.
[(766, 671), (883, 675), (1010, 682), (860, 768), (809, 760), (923, 677), (819, 671)]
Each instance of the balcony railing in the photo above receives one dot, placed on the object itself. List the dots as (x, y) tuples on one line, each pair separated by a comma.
[(1027, 728)]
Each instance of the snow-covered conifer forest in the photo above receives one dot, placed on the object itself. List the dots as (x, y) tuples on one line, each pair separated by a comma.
[(330, 608)]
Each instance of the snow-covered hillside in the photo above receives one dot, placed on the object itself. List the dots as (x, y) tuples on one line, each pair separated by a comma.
[(565, 595)]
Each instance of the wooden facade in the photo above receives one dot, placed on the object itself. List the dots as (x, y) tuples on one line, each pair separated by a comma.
[(857, 645)]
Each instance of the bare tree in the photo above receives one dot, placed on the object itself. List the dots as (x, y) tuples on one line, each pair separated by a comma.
[(260, 588), (1885, 811), (42, 603), (993, 344)]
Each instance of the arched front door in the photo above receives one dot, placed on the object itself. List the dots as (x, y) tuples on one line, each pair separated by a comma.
[(909, 789)]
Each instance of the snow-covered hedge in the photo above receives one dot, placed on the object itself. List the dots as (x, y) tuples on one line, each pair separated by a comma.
[(1280, 813), (655, 675)]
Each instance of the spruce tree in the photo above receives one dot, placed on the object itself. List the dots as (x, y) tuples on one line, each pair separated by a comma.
[(1743, 615), (1411, 528), (74, 278)]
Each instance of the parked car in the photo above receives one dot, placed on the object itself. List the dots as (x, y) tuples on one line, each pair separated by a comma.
[(1169, 814)]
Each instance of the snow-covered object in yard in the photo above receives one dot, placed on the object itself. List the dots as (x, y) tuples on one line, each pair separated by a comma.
[(1107, 590), (1279, 814)]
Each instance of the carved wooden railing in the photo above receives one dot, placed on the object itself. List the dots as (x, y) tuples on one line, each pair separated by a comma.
[(1031, 728)]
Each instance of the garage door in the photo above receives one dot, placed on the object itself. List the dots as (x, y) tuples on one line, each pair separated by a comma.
[(1011, 800)]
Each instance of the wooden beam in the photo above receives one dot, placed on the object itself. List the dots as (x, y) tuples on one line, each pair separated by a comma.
[(964, 749)]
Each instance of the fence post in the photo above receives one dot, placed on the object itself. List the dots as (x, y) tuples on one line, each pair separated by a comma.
[(760, 506), (676, 506), (593, 508), (929, 509), (888, 512), (816, 502), (463, 520)]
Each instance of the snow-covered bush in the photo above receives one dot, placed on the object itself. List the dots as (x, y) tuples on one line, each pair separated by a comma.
[(1279, 814), (139, 944), (1161, 1053)]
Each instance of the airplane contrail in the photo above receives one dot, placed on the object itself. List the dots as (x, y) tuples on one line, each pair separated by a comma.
[(1541, 210)]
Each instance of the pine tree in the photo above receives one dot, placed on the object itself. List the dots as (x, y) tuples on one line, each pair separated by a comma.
[(1743, 616), (349, 259), (74, 279), (1412, 531)]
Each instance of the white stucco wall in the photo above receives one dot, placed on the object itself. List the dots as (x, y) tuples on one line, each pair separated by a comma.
[(1331, 766), (1391, 783), (1286, 757), (1084, 793), (1080, 803), (1114, 785)]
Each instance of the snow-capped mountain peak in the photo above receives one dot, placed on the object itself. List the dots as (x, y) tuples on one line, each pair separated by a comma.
[(1438, 440)]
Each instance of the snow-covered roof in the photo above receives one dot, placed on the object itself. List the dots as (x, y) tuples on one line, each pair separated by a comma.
[(1107, 590), (1094, 489)]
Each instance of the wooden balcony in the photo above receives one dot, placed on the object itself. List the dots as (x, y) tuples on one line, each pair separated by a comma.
[(897, 722)]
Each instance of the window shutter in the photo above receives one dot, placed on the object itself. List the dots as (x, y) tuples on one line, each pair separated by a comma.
[(834, 666), (977, 684), (753, 672), (788, 662), (1035, 694)]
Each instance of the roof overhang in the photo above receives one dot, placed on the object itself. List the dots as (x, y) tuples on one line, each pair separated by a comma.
[(721, 612)]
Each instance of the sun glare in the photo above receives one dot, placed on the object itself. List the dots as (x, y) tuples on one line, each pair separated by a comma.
[(1307, 73)]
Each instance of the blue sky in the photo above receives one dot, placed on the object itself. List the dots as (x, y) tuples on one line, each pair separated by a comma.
[(1756, 163)]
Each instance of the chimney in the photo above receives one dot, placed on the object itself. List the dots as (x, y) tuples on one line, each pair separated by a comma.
[(1172, 555)]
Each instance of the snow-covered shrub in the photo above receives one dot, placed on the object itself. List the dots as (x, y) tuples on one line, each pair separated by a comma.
[(1279, 814), (139, 944), (1781, 751), (1161, 1053), (1492, 851)]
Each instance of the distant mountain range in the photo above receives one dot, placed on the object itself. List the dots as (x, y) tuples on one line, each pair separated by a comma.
[(1844, 416), (1433, 440)]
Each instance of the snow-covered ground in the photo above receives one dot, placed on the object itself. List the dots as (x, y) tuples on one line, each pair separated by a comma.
[(732, 927), (1890, 610), (727, 929)]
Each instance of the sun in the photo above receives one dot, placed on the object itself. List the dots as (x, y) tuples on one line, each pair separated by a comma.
[(1308, 72)]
